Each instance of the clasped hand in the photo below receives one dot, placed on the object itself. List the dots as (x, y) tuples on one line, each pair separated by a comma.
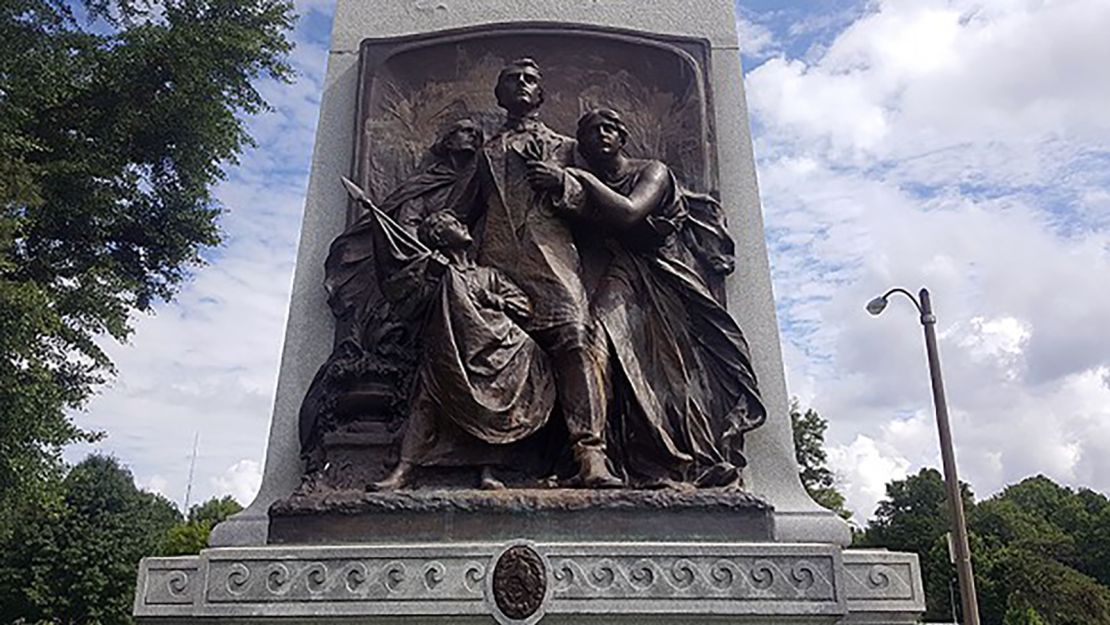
[(544, 176)]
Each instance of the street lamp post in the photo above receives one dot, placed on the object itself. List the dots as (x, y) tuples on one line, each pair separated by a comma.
[(948, 456)]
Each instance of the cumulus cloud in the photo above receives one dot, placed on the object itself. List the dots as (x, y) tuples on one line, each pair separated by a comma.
[(958, 144), (241, 480), (863, 467), (756, 40)]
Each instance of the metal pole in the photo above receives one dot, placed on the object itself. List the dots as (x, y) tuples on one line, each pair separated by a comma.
[(192, 468), (948, 458)]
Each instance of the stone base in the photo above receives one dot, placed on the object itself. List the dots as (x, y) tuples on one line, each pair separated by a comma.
[(585, 583), (345, 517), (362, 454)]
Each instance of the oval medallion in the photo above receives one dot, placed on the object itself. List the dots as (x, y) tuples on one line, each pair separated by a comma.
[(519, 582)]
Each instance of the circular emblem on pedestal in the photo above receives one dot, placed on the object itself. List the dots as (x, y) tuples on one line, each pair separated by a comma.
[(519, 582)]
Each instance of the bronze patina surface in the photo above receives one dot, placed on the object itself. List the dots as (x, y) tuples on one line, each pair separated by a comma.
[(520, 309)]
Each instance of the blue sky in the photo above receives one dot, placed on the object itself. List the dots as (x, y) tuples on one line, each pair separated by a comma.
[(962, 144)]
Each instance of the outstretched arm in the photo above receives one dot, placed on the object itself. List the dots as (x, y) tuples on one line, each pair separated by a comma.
[(611, 208)]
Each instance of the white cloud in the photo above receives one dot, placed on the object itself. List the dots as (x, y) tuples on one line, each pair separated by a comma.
[(241, 480), (863, 469), (996, 343), (958, 144), (156, 484), (960, 90), (756, 40)]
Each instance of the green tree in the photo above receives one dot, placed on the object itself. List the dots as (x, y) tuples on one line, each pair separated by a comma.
[(1059, 593), (1095, 543), (1042, 546), (191, 536), (215, 510), (914, 518), (1079, 522), (1022, 616), (185, 539), (116, 118), (809, 450), (74, 561), (1037, 548)]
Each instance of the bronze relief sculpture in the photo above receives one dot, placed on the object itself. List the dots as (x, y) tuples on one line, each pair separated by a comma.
[(541, 311), (684, 388)]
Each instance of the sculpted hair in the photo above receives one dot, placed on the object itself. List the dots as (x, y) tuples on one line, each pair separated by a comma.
[(518, 65), (602, 115), (522, 63), (430, 231)]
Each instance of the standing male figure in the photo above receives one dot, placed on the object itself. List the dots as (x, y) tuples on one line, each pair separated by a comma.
[(524, 238)]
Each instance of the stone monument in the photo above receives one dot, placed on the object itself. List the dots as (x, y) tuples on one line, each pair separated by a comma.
[(532, 368)]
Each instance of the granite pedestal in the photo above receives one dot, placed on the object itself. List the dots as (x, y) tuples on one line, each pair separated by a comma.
[(585, 583)]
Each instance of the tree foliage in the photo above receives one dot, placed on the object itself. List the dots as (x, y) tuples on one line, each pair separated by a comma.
[(1056, 591), (74, 561), (1022, 616), (116, 117), (809, 450), (191, 536), (1038, 548)]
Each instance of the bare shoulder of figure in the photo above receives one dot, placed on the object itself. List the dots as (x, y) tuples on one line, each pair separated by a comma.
[(655, 171)]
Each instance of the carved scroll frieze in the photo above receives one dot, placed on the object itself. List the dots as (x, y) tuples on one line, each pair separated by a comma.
[(751, 578), (564, 578), (668, 572), (345, 579)]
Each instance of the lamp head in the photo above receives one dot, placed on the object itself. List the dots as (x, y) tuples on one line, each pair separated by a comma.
[(877, 305)]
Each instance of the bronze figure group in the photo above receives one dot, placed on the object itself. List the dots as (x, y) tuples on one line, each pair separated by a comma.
[(538, 305)]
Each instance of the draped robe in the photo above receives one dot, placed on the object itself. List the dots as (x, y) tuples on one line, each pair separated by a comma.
[(682, 376)]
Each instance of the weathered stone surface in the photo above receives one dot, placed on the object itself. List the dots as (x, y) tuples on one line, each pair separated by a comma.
[(167, 582), (772, 472), (554, 514), (883, 587), (355, 21), (585, 583)]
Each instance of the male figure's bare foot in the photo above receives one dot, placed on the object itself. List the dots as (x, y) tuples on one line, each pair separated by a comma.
[(396, 480), (489, 482)]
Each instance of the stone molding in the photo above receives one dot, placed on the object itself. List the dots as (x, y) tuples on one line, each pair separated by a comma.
[(804, 583), (883, 582)]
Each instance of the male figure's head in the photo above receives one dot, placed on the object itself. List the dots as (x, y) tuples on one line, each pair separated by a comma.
[(601, 135), (520, 87), (443, 231), (462, 138)]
